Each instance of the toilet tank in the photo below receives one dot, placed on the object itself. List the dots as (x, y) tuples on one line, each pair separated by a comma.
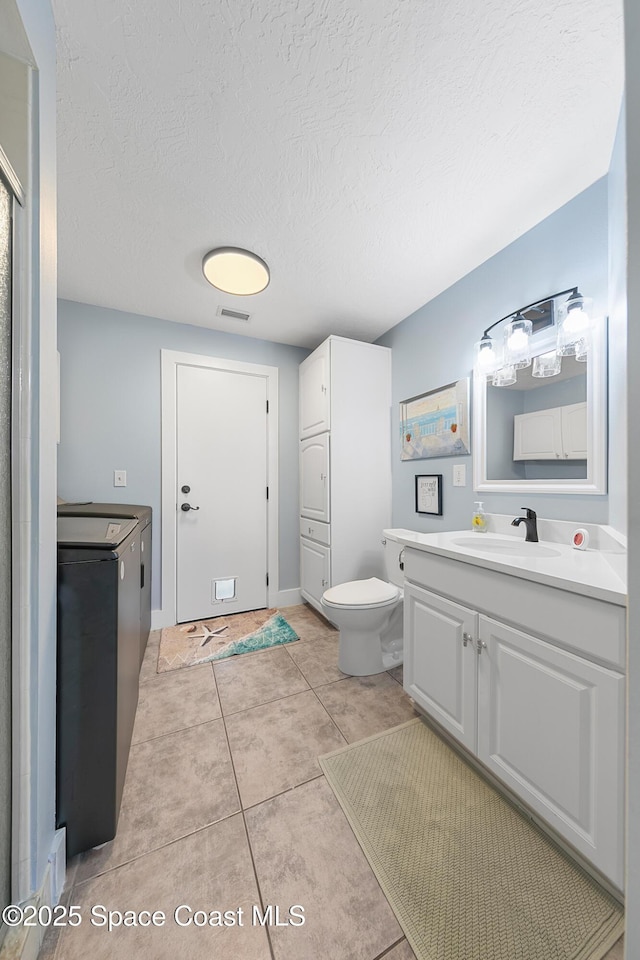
[(392, 551)]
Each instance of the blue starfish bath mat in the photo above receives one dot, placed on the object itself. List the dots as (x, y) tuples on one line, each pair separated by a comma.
[(204, 640)]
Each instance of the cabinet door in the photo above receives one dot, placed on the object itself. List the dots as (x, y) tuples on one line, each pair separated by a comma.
[(440, 662), (538, 435), (314, 478), (314, 569), (574, 431), (551, 726), (314, 392)]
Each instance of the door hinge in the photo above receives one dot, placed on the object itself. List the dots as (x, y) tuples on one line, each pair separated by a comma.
[(267, 579), (267, 493), (267, 406)]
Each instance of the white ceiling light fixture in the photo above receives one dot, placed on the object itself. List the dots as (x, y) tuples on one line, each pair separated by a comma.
[(237, 271)]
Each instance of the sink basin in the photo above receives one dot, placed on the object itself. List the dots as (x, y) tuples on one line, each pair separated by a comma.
[(506, 547)]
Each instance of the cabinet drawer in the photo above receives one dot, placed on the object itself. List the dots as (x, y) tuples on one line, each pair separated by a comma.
[(315, 530)]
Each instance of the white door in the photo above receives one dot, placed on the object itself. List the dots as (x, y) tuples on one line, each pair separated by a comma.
[(440, 662), (551, 726), (314, 478), (314, 389), (221, 516)]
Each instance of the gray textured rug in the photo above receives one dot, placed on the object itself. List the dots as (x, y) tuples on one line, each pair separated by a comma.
[(468, 877)]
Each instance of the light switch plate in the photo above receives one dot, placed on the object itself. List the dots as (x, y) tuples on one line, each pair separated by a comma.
[(459, 475), (119, 478)]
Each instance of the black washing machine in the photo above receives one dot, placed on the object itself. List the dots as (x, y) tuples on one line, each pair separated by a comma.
[(144, 515), (98, 664)]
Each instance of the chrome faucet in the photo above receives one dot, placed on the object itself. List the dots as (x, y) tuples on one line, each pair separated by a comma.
[(530, 522)]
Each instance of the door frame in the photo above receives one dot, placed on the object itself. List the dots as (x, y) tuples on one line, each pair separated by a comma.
[(170, 361)]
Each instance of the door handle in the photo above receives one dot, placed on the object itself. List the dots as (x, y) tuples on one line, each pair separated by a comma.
[(187, 506)]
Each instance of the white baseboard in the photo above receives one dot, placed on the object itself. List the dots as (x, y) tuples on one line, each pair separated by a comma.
[(279, 598), (286, 598), (159, 620), (24, 943)]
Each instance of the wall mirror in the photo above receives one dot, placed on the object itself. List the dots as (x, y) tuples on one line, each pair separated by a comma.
[(544, 433)]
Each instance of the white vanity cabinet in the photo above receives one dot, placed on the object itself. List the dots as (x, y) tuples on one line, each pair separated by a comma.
[(529, 679), (440, 666), (551, 726), (345, 463), (559, 433)]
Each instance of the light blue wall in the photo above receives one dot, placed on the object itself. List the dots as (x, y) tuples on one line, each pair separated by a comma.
[(502, 406), (434, 346), (110, 412)]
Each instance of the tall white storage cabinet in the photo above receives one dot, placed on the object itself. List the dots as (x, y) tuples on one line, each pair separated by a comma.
[(345, 463)]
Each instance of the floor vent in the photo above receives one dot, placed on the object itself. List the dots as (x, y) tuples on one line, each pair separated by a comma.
[(232, 314)]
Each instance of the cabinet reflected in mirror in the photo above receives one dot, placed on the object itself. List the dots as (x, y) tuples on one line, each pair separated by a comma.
[(538, 426), (544, 434)]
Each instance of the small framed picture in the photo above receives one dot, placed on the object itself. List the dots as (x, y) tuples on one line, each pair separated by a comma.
[(429, 494)]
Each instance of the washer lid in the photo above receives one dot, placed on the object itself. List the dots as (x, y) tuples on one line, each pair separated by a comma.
[(361, 592)]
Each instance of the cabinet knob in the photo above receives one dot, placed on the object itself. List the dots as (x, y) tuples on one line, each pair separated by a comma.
[(467, 638)]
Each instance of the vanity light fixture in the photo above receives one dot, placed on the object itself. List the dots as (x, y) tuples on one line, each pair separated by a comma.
[(573, 336), (237, 271)]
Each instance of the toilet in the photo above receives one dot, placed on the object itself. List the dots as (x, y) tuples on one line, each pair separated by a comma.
[(368, 614)]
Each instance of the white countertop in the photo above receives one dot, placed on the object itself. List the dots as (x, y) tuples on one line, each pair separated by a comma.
[(593, 573)]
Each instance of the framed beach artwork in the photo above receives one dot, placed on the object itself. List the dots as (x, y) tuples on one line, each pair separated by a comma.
[(436, 424)]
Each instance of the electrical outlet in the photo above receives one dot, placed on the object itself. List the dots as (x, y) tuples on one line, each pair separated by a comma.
[(459, 475), (119, 478)]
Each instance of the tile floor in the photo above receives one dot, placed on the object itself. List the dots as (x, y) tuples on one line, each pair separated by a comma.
[(225, 807)]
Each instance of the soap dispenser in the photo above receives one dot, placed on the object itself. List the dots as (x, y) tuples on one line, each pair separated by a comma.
[(479, 519)]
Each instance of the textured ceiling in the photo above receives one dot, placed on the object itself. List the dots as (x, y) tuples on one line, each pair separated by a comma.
[(371, 151)]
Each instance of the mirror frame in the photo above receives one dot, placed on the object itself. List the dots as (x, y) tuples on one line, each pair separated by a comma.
[(596, 480)]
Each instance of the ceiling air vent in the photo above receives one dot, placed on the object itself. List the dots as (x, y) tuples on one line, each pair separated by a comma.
[(232, 314)]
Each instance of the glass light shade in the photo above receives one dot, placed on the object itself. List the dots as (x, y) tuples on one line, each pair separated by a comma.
[(582, 350), (547, 364), (235, 271), (505, 376), (517, 343), (574, 324), (488, 357)]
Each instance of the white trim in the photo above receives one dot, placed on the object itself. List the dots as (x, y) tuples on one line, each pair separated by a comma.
[(158, 621), (22, 557), (24, 943), (287, 598), (596, 479), (170, 360)]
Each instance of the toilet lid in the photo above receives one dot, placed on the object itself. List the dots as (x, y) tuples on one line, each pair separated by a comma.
[(361, 592)]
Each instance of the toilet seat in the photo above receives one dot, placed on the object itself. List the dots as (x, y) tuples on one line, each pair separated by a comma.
[(361, 594)]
